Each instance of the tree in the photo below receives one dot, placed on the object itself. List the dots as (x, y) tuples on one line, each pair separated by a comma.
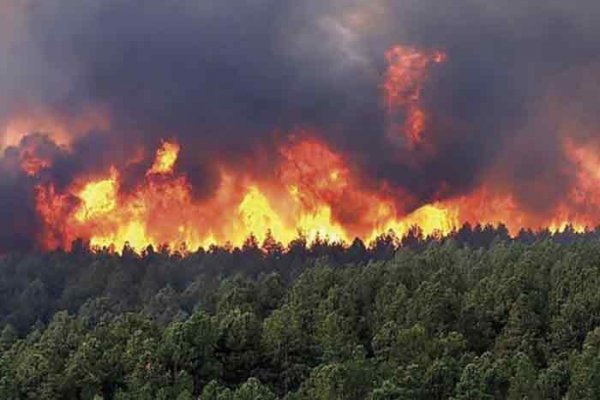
[(190, 346), (585, 370), (252, 389)]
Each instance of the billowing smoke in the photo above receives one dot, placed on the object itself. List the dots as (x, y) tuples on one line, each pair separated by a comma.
[(229, 80)]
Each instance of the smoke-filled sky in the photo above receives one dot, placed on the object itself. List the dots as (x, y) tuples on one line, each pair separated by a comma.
[(229, 80)]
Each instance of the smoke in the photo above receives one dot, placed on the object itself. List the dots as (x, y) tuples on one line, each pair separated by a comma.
[(228, 79), (17, 208)]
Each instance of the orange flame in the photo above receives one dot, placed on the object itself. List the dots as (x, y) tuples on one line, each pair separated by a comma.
[(404, 81), (97, 198), (316, 196), (314, 192), (166, 157), (585, 195)]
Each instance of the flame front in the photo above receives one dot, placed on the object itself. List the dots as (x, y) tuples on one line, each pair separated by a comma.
[(314, 190), (314, 195)]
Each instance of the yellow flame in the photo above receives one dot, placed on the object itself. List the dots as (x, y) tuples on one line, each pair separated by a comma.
[(320, 224), (133, 233), (166, 157), (430, 218), (98, 197), (258, 217)]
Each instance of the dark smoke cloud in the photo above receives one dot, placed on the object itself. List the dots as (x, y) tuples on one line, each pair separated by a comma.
[(222, 76), (20, 223)]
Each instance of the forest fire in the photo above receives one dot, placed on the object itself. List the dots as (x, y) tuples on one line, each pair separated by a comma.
[(330, 199), (314, 190)]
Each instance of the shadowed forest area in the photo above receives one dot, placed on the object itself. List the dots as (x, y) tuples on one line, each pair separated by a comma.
[(475, 315)]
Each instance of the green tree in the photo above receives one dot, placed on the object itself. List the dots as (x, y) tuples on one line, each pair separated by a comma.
[(585, 369)]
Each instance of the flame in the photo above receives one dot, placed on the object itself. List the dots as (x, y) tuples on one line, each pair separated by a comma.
[(313, 191), (98, 198), (585, 194), (257, 215), (166, 156), (432, 219), (403, 87), (314, 195)]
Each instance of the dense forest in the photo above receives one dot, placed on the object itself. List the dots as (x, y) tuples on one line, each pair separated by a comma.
[(476, 315)]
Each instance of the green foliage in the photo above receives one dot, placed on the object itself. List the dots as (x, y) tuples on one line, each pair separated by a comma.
[(585, 375), (437, 321)]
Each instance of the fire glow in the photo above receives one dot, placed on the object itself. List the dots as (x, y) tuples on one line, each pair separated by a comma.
[(315, 187), (405, 77), (315, 191)]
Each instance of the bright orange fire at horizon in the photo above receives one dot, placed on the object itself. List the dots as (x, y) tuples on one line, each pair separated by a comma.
[(316, 195), (315, 192)]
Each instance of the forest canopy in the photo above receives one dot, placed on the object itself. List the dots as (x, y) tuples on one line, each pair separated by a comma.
[(477, 315)]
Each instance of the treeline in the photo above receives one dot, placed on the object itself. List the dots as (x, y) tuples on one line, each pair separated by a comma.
[(476, 315)]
